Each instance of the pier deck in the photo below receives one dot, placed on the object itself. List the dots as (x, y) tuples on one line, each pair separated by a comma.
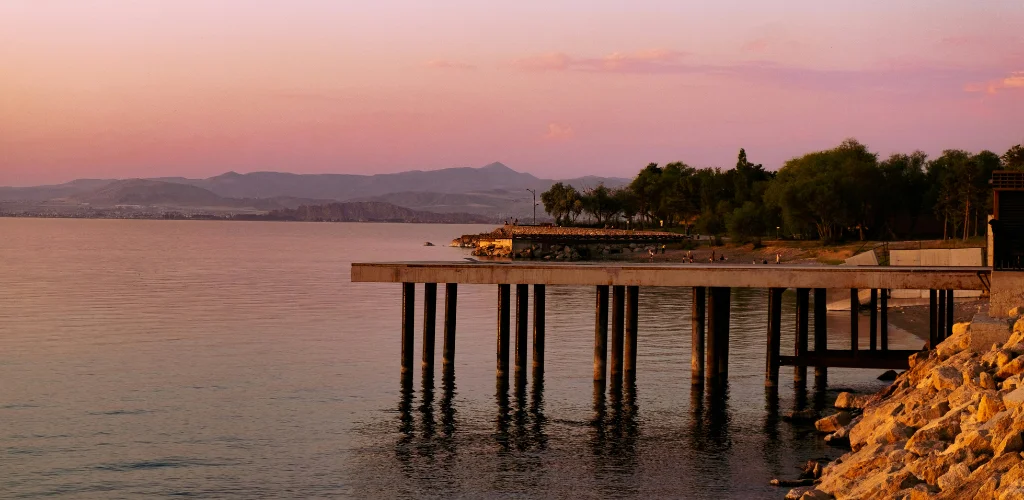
[(679, 275), (711, 285)]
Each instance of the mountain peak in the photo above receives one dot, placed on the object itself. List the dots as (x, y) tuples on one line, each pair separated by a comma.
[(496, 166)]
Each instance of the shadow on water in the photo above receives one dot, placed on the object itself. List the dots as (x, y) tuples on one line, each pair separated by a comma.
[(615, 436)]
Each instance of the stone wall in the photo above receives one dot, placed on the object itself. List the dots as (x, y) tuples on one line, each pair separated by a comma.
[(936, 257)]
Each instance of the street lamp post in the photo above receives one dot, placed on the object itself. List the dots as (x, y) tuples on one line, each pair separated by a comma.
[(776, 232), (534, 191)]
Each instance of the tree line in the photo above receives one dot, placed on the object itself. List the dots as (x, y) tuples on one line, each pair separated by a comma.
[(831, 195)]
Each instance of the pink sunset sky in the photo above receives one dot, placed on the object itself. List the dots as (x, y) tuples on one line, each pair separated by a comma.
[(138, 88)]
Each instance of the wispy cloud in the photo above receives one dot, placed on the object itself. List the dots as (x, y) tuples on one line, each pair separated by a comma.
[(895, 75), (559, 132), (447, 64), (1014, 81), (644, 61)]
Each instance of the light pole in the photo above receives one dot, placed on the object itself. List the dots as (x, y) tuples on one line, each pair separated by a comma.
[(534, 191), (776, 232)]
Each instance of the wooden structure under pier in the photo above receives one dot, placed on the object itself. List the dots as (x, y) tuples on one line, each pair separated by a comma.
[(617, 288)]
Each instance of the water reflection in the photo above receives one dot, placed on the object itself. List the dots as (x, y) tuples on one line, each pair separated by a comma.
[(523, 427), (615, 429)]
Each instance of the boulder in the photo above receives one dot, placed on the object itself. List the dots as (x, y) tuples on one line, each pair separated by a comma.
[(1014, 399), (888, 375), (849, 401), (946, 377), (929, 467), (833, 423), (814, 494), (969, 444), (988, 407), (796, 493), (986, 381), (1010, 444), (1013, 493), (954, 477), (1014, 367)]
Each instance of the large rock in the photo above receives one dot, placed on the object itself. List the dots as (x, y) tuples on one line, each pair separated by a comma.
[(1010, 444), (833, 423), (942, 430), (850, 401), (988, 407), (946, 377), (1012, 368), (1014, 399), (954, 477)]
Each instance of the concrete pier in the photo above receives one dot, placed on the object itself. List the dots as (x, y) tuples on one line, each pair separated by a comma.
[(451, 306), (800, 346), (717, 345), (539, 292), (697, 337), (629, 343), (522, 326), (408, 329), (618, 333), (429, 322), (774, 336), (820, 334), (710, 315), (504, 296), (601, 335)]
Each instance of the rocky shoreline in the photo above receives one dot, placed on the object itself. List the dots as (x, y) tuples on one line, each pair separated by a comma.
[(952, 426)]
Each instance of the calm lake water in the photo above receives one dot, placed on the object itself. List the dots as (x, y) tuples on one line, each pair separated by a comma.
[(236, 360)]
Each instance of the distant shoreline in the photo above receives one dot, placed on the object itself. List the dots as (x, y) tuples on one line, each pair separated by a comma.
[(218, 218)]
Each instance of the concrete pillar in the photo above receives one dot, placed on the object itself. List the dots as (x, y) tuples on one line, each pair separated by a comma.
[(854, 324), (820, 335), (933, 325), (504, 313), (885, 320), (429, 322), (949, 314), (629, 340), (601, 334), (522, 325), (618, 333), (697, 338), (800, 346), (408, 324), (873, 326), (771, 377), (451, 300), (538, 331), (940, 320), (718, 333)]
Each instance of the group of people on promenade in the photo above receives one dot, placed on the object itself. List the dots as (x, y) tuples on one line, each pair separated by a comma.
[(712, 258)]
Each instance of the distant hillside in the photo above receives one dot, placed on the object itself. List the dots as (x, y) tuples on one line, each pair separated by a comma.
[(367, 211), (345, 187), (498, 204), (43, 193), (494, 190), (147, 192)]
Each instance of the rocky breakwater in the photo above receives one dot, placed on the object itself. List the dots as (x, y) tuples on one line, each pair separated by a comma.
[(952, 426)]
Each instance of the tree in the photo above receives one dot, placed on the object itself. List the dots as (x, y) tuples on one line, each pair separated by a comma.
[(646, 187), (560, 201), (901, 191), (1013, 159), (746, 223), (829, 190), (600, 204)]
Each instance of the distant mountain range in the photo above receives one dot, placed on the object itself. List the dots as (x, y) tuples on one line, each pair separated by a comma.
[(495, 191)]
